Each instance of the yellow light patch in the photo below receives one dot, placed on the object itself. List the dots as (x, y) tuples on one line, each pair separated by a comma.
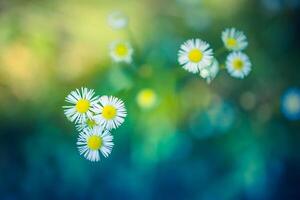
[(146, 98), (109, 112), (195, 55), (238, 64), (82, 105), (231, 42), (94, 142), (121, 50)]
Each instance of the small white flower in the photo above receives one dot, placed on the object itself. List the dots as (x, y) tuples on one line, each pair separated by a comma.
[(82, 103), (92, 141), (234, 40), (89, 122), (121, 52), (195, 55), (110, 112), (210, 72), (238, 64), (117, 20)]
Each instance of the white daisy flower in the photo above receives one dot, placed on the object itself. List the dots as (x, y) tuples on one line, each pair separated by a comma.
[(110, 112), (210, 72), (238, 64), (117, 20), (89, 122), (194, 55), (82, 102), (92, 141), (121, 52), (234, 40)]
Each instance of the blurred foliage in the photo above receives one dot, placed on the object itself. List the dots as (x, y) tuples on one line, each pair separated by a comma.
[(225, 140)]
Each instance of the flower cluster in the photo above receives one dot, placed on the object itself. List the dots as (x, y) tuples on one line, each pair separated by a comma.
[(94, 118), (238, 63), (196, 56)]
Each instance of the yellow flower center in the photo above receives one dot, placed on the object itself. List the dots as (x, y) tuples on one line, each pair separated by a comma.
[(146, 98), (82, 105), (121, 50), (231, 42), (91, 123), (238, 64), (109, 112), (94, 142), (195, 55)]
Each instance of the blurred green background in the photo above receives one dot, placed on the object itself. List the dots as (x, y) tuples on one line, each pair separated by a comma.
[(224, 140)]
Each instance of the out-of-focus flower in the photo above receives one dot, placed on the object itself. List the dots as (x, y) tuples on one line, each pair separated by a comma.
[(234, 40), (20, 67), (195, 55), (92, 141), (82, 103), (272, 5), (87, 123), (121, 52), (110, 112), (222, 115), (146, 98), (117, 20), (216, 120), (210, 72), (290, 104), (238, 64)]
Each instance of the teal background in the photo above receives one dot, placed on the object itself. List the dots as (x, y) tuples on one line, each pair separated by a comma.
[(224, 140)]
